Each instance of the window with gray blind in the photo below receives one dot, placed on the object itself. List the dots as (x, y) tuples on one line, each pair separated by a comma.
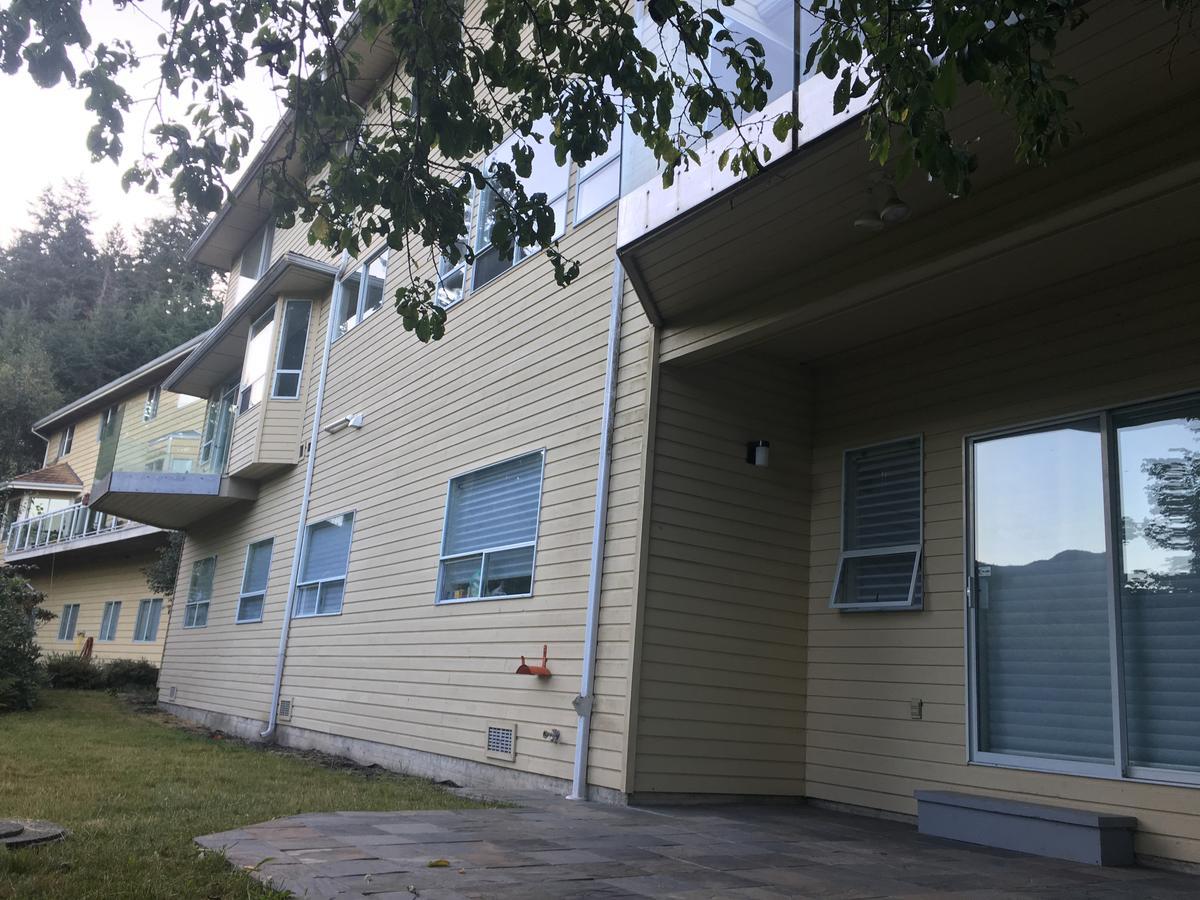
[(109, 619), (254, 581), (490, 535), (195, 612), (145, 626), (322, 584), (66, 622), (1084, 594), (880, 563)]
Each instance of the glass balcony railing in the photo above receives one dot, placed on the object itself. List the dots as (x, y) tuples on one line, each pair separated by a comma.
[(187, 436), (62, 526)]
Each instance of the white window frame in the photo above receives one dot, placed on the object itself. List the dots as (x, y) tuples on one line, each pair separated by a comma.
[(917, 549), (1120, 769), (345, 326), (265, 238), (299, 373), (68, 622), (461, 265), (153, 397), (245, 390), (110, 619), (582, 177), (485, 552), (142, 621), (321, 582), (193, 604), (107, 417), (243, 595), (66, 440)]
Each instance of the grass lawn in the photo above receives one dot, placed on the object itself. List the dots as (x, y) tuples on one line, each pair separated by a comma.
[(134, 791)]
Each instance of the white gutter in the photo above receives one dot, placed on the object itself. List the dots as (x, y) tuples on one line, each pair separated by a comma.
[(583, 703), (302, 519)]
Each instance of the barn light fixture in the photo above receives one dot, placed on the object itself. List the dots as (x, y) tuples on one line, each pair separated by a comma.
[(758, 453)]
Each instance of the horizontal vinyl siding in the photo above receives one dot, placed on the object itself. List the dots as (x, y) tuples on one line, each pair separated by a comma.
[(91, 583), (1116, 337), (85, 449), (721, 686)]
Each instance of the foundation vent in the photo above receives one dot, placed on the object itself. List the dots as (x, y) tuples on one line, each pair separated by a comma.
[(171, 693), (502, 741), (285, 711)]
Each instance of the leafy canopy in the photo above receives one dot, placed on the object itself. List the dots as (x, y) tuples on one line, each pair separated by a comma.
[(403, 163)]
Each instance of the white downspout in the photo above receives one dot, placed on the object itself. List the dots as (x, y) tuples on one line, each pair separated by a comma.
[(302, 520), (583, 703)]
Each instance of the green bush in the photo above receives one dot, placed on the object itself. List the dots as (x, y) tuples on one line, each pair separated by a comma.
[(66, 670), (124, 674), (20, 674)]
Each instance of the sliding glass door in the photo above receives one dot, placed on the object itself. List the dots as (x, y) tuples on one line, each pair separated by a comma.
[(1084, 594)]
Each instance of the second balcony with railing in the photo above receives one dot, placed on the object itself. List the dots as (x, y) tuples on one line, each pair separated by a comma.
[(73, 527)]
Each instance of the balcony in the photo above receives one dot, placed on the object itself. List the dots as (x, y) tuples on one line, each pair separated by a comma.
[(170, 471), (73, 528)]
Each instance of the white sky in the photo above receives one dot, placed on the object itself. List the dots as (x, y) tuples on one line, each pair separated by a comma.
[(48, 130)]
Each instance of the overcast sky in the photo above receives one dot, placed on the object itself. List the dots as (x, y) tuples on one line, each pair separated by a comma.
[(49, 128)]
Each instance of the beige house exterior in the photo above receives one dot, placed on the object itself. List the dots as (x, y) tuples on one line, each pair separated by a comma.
[(798, 509), (88, 564)]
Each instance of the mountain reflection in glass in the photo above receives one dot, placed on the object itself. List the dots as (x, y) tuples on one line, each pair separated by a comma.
[(1159, 461), (1042, 595)]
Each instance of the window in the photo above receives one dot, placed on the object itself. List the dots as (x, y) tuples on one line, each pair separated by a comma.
[(254, 581), (452, 276), (66, 622), (65, 440), (108, 423), (322, 584), (145, 627), (255, 259), (152, 397), (293, 338), (880, 563), (598, 182), (361, 292), (199, 595), (548, 178), (108, 620), (1084, 594), (490, 535), (257, 362)]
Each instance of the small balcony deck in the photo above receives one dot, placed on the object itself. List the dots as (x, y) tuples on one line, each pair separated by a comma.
[(74, 528)]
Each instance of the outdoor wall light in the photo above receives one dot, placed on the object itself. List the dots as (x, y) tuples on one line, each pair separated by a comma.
[(355, 421), (884, 207), (894, 210), (758, 453)]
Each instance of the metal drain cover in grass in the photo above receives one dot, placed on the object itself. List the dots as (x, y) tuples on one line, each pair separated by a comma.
[(16, 833)]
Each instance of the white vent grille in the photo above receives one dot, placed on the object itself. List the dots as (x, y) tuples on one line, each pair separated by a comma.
[(285, 711), (171, 693), (502, 741)]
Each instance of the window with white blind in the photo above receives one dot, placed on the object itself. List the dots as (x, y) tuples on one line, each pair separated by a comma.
[(195, 614), (254, 581), (880, 563), (1084, 594), (145, 626), (109, 619), (257, 361), (293, 340), (490, 533), (66, 622), (598, 182), (322, 586)]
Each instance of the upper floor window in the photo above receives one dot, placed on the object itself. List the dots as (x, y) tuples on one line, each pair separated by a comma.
[(452, 276), (258, 361), (361, 292), (598, 182), (150, 412), (880, 563), (195, 614), (108, 423), (490, 533), (322, 585), (254, 581), (293, 340), (546, 177), (255, 259), (65, 440)]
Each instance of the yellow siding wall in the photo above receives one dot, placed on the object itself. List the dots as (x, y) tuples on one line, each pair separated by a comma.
[(91, 583), (85, 449), (721, 705), (1113, 339)]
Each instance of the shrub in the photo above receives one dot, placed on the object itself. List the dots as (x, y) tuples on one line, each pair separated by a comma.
[(65, 670), (20, 674), (123, 674)]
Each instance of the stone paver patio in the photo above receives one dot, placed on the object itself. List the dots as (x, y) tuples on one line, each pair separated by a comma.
[(551, 849)]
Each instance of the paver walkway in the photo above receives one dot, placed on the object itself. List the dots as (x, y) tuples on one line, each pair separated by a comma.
[(551, 849)]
